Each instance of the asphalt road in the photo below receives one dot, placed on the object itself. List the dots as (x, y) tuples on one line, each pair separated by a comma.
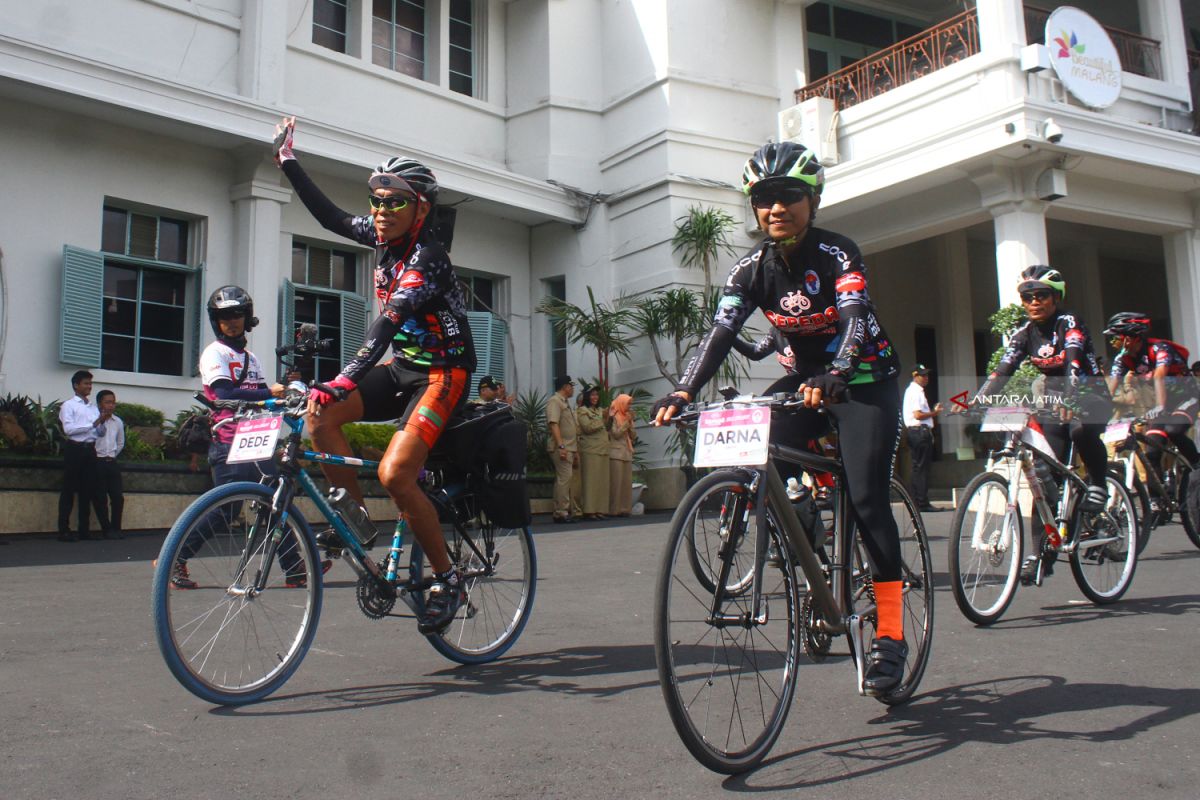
[(1060, 699)]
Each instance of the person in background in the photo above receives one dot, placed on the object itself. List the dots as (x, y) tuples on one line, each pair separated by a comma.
[(487, 391), (593, 454), (108, 497), (620, 456), (81, 424), (501, 393), (562, 444), (918, 426)]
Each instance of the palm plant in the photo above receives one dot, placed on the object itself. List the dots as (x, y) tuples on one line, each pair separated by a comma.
[(600, 326), (701, 236)]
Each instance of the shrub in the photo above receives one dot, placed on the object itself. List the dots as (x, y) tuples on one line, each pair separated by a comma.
[(138, 414), (366, 434), (137, 449), (39, 423)]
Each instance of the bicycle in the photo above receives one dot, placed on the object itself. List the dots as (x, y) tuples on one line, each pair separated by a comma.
[(1163, 493), (987, 532), (241, 634), (731, 617)]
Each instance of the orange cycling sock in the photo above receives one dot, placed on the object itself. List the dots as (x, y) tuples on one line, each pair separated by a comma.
[(889, 605)]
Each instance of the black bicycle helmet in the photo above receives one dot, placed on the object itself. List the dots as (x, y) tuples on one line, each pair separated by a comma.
[(1128, 323), (227, 298), (783, 164), (1040, 276), (405, 173)]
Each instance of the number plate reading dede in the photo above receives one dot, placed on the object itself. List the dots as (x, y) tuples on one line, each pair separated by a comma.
[(733, 437), (254, 439)]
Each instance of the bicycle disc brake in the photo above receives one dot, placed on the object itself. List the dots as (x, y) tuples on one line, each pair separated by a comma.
[(816, 642), (374, 599)]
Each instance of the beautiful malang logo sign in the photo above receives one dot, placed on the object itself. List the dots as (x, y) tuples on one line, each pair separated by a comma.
[(1083, 57)]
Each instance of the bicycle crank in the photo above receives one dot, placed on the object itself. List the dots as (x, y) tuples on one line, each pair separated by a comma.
[(376, 598), (816, 641), (855, 625)]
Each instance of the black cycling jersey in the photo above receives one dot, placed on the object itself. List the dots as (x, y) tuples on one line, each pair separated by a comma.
[(424, 316), (1155, 353), (1060, 347), (816, 298)]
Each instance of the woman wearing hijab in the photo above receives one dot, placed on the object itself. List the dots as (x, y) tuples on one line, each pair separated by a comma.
[(593, 454), (620, 457)]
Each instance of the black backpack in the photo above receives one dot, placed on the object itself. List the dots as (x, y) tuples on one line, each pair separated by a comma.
[(489, 445), (195, 433)]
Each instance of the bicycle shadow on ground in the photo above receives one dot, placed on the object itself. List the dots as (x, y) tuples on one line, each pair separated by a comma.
[(562, 671), (1019, 710), (1173, 605)]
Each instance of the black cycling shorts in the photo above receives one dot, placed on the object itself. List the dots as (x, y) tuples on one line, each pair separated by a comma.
[(423, 401)]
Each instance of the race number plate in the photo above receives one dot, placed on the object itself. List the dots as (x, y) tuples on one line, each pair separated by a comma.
[(254, 439), (1117, 431), (1004, 420), (733, 437)]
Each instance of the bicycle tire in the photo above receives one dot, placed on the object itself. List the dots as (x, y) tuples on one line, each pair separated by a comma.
[(985, 548), (918, 593), (497, 606), (1141, 503), (1189, 507), (702, 554), (222, 644), (728, 688), (1104, 572)]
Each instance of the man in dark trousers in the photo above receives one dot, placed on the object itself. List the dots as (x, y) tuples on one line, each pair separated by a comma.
[(81, 423), (918, 425), (108, 497)]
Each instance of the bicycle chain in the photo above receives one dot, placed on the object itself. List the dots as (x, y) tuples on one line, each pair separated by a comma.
[(816, 643)]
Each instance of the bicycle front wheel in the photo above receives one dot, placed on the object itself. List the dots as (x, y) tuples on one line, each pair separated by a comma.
[(224, 638), (917, 577), (727, 670), (985, 550), (1105, 556), (500, 582)]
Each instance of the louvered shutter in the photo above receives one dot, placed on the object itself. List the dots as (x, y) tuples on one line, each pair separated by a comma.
[(354, 324), (287, 313), (199, 318), (491, 346), (81, 315)]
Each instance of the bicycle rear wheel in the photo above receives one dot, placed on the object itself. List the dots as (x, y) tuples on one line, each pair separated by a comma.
[(1189, 505), (985, 550), (917, 574), (1105, 558), (728, 679), (223, 640), (498, 604)]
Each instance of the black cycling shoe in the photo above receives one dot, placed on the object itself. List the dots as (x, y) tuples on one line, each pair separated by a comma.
[(1029, 569), (1094, 500), (445, 597), (885, 666)]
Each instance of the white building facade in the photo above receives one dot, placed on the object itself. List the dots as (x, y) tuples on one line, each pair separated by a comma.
[(569, 135)]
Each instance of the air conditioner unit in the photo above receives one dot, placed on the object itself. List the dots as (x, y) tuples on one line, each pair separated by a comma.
[(813, 123)]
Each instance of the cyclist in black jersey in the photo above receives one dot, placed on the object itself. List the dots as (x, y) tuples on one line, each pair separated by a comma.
[(1165, 363), (423, 321), (1059, 345), (811, 284)]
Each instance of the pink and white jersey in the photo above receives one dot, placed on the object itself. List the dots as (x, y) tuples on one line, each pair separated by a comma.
[(218, 362)]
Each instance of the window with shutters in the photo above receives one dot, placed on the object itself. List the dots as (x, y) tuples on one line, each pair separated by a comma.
[(557, 288), (324, 291), (133, 306), (438, 41)]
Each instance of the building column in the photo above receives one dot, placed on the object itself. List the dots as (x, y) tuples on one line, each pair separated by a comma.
[(1163, 20), (262, 50), (1020, 242), (258, 216), (1182, 254), (1084, 293), (956, 359), (1001, 26), (791, 50)]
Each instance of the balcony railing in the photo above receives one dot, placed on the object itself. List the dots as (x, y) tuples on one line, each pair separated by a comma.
[(915, 57), (1139, 54)]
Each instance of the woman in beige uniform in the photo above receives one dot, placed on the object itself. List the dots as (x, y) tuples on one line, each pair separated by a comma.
[(620, 457), (593, 455)]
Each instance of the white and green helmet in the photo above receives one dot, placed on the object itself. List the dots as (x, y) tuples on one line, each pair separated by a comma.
[(1041, 276), (783, 165)]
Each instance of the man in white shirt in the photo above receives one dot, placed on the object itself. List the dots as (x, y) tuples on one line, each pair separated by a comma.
[(918, 424), (108, 491), (81, 423)]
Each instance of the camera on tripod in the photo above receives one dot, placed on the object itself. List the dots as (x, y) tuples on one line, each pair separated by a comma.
[(301, 355)]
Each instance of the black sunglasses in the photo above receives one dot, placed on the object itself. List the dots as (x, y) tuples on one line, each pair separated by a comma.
[(231, 313), (769, 197), (389, 203), (1041, 296)]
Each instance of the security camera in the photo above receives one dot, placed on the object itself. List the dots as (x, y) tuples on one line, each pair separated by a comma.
[(1052, 132)]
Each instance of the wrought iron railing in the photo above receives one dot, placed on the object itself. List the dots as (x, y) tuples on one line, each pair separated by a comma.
[(915, 57), (1140, 55)]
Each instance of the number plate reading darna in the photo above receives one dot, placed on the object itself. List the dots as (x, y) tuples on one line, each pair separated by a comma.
[(733, 437), (254, 439)]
